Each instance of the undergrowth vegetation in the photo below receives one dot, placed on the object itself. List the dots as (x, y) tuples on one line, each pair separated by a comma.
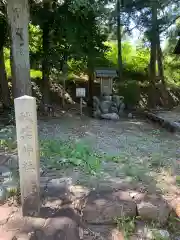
[(56, 153), (127, 225), (60, 154)]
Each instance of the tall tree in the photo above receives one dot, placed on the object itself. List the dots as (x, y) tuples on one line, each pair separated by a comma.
[(119, 40), (154, 17), (160, 58), (153, 38), (46, 28), (71, 29), (18, 15)]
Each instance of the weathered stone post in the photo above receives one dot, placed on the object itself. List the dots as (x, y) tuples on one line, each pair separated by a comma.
[(28, 152)]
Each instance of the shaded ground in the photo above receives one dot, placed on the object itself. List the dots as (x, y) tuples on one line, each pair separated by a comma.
[(173, 116), (135, 151)]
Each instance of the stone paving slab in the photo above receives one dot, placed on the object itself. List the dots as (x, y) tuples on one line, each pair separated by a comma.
[(102, 232), (104, 206), (52, 224), (57, 220)]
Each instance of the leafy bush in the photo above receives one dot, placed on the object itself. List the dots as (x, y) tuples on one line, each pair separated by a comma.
[(130, 90)]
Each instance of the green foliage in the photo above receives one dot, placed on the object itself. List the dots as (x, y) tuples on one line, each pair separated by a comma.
[(173, 224), (73, 31), (77, 33), (35, 74), (131, 92), (35, 48), (35, 38), (157, 161), (140, 60), (7, 140), (128, 53), (172, 70), (157, 236), (66, 154), (77, 66), (171, 61), (178, 180), (7, 61)]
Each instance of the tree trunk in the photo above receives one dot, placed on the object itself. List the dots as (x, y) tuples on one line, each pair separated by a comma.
[(119, 40), (18, 15), (65, 75), (90, 83), (46, 51), (4, 82), (162, 86), (160, 58), (166, 96), (13, 79), (152, 65), (167, 99), (153, 45)]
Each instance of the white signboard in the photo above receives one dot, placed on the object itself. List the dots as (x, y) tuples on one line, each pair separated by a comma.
[(80, 92)]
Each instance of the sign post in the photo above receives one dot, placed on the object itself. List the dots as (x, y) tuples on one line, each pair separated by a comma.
[(81, 93)]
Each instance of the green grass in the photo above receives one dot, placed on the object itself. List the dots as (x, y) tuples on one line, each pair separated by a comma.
[(7, 139), (58, 154), (173, 224), (127, 225), (67, 153), (157, 161)]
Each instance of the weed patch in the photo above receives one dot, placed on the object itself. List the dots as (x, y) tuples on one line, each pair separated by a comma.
[(65, 153), (127, 225)]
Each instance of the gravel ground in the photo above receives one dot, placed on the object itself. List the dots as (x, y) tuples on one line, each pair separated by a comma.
[(146, 156)]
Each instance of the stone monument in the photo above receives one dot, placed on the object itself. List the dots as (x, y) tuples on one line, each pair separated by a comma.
[(28, 153)]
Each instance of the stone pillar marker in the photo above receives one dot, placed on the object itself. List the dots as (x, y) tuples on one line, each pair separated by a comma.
[(28, 153)]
